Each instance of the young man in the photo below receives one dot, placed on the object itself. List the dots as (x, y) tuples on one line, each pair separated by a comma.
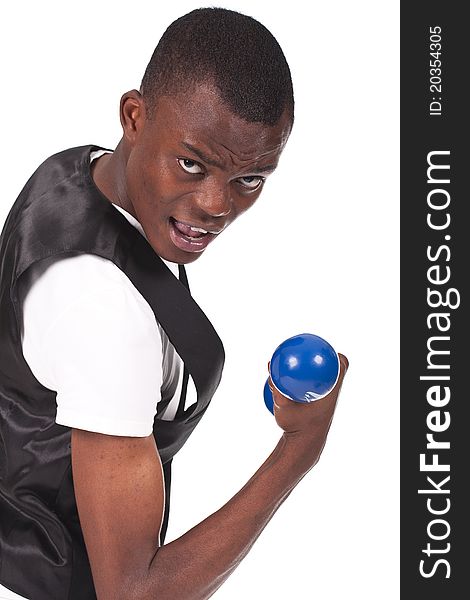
[(99, 334)]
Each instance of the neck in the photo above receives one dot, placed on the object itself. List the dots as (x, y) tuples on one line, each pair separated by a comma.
[(108, 172)]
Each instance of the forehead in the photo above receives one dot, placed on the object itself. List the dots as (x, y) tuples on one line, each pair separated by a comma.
[(201, 116)]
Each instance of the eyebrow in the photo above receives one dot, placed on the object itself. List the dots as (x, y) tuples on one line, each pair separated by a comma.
[(202, 156), (214, 163)]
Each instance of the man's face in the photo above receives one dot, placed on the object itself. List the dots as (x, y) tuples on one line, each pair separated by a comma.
[(194, 168)]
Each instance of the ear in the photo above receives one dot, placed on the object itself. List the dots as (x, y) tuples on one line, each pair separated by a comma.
[(132, 114)]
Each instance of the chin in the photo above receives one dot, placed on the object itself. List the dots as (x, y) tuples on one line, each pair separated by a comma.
[(179, 256)]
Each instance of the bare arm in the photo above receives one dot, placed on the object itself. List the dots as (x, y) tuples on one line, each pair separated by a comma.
[(120, 497)]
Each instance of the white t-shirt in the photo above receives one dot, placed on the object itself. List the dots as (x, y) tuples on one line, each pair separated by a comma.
[(6, 594)]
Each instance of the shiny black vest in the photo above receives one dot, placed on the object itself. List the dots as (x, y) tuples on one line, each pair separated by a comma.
[(60, 211)]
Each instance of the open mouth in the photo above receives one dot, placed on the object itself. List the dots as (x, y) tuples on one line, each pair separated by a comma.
[(189, 237)]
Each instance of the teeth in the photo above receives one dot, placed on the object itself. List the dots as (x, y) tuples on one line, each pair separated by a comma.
[(198, 229)]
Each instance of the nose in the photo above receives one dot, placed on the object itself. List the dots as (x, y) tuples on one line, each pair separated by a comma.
[(215, 200)]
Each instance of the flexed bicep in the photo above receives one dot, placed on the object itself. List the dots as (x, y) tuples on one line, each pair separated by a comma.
[(120, 495)]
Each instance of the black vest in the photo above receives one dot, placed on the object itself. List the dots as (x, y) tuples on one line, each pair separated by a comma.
[(60, 211)]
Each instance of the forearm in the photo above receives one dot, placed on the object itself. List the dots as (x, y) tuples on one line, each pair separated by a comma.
[(196, 564), (119, 489)]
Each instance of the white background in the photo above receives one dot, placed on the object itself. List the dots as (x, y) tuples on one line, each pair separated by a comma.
[(318, 253)]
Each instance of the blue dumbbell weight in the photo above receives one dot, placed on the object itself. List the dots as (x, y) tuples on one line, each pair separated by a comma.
[(304, 368)]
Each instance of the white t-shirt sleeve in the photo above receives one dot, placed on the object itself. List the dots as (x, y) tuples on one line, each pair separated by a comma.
[(92, 338)]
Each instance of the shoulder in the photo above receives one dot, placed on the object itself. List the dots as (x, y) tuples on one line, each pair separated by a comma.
[(71, 275), (80, 282)]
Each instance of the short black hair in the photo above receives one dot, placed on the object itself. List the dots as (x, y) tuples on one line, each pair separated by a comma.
[(234, 52)]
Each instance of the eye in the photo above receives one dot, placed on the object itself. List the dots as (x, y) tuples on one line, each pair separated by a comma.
[(252, 182), (190, 166)]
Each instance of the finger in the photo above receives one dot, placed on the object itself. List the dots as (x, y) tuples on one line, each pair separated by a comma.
[(278, 398), (344, 361), (343, 367), (270, 384), (273, 392)]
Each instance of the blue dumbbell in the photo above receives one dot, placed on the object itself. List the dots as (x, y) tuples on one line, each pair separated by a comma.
[(304, 368)]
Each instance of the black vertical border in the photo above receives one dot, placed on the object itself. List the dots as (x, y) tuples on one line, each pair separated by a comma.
[(420, 134)]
